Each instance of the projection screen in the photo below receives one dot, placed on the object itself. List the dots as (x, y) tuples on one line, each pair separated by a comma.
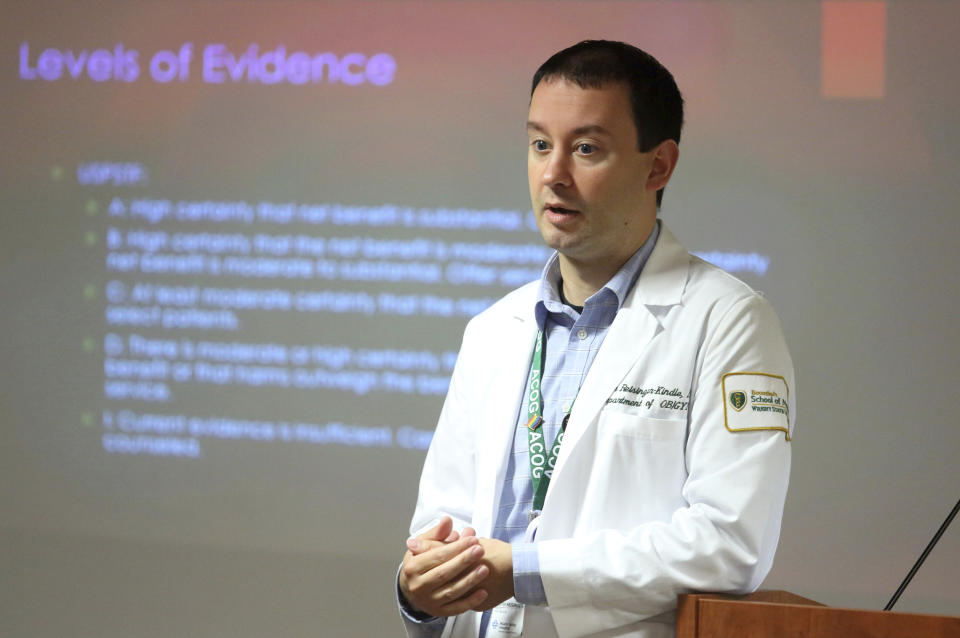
[(242, 239)]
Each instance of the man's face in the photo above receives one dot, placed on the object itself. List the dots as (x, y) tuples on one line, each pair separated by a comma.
[(588, 180)]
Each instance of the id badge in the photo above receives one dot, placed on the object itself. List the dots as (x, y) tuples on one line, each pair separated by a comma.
[(506, 619)]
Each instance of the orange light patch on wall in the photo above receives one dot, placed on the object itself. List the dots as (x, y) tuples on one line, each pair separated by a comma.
[(853, 51)]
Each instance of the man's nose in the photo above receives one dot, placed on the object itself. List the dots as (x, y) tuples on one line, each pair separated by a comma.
[(557, 170)]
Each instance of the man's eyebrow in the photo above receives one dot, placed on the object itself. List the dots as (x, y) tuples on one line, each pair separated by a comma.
[(580, 130)]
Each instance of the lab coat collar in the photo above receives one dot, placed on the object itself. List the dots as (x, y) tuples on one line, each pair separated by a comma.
[(549, 294), (664, 277), (661, 285)]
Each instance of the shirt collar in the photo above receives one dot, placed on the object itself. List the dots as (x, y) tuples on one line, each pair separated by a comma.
[(619, 286)]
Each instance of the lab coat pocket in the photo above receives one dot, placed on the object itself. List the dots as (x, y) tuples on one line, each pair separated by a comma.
[(617, 423), (641, 462)]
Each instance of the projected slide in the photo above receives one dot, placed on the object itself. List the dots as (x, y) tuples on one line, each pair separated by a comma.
[(216, 295), (243, 258)]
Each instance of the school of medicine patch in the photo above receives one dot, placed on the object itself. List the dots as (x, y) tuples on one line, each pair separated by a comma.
[(755, 401)]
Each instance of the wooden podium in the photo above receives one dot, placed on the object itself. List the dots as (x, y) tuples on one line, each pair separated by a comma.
[(780, 614)]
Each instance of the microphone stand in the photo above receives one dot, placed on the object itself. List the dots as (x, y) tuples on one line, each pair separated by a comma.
[(923, 557)]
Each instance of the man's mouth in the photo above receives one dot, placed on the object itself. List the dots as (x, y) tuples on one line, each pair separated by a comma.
[(560, 210)]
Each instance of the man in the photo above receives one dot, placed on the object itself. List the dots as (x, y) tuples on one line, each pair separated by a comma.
[(617, 432)]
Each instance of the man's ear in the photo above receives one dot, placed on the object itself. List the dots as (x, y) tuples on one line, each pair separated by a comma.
[(665, 156)]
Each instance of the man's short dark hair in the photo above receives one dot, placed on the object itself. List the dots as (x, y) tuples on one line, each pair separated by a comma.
[(654, 96)]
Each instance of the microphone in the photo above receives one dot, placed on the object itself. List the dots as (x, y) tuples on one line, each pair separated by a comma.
[(923, 557)]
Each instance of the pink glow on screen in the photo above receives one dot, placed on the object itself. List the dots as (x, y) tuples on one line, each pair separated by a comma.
[(854, 35)]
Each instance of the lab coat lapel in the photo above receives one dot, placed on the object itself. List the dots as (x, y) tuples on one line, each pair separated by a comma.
[(660, 286), (500, 412), (625, 342)]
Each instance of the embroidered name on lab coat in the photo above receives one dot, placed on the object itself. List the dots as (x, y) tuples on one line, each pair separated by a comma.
[(658, 400)]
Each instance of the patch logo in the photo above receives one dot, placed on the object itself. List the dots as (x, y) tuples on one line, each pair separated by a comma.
[(738, 400), (756, 401)]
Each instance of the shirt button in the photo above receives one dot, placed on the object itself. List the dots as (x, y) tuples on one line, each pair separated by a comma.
[(582, 334)]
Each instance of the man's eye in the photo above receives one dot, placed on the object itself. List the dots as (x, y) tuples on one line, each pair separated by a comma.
[(540, 145), (585, 149)]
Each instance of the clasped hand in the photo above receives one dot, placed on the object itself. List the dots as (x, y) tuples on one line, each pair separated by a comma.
[(445, 573)]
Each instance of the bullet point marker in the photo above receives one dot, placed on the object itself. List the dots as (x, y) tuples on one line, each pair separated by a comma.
[(86, 419), (56, 173), (89, 291), (90, 238), (89, 344), (92, 207)]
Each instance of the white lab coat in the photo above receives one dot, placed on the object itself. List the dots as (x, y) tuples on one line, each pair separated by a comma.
[(645, 503)]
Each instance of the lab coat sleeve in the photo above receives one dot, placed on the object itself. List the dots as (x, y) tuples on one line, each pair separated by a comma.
[(725, 537), (447, 482)]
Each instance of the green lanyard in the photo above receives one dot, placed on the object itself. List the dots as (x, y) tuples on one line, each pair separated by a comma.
[(542, 461)]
